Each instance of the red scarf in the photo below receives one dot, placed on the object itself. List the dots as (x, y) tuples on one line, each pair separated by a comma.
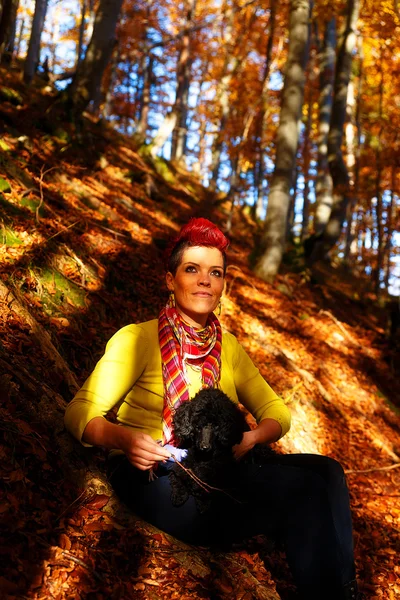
[(181, 343)]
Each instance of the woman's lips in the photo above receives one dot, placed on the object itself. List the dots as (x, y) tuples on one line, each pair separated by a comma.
[(203, 294)]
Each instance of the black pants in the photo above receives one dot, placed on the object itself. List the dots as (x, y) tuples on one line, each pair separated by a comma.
[(301, 499)]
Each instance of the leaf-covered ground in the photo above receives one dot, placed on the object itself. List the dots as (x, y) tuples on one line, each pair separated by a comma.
[(84, 219)]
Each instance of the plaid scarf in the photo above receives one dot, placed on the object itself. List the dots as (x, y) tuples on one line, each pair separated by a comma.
[(181, 343)]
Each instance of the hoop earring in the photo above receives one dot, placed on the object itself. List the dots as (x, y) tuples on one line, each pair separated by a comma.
[(171, 300), (219, 308)]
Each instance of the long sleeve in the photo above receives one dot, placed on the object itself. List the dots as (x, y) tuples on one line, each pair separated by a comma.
[(255, 393), (114, 375)]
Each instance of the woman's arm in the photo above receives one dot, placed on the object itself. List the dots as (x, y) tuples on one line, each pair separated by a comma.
[(266, 432), (141, 450)]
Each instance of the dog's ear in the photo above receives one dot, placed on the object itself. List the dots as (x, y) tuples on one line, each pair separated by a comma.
[(182, 422)]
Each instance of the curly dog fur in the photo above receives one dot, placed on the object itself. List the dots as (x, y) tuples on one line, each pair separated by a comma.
[(208, 426)]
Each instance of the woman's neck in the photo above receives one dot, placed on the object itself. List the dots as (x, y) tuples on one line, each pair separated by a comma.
[(198, 323)]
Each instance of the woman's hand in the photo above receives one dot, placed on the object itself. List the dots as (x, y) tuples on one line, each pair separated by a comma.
[(267, 431), (248, 442), (142, 451)]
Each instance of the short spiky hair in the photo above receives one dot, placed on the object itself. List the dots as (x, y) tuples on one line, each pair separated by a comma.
[(197, 232)]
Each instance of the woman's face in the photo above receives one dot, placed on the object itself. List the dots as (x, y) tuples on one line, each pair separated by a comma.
[(197, 284)]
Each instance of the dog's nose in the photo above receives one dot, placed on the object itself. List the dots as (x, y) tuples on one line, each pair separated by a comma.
[(206, 438)]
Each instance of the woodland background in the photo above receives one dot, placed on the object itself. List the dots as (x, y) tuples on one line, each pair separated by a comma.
[(119, 121), (295, 102)]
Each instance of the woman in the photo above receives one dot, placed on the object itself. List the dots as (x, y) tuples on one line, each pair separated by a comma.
[(151, 368)]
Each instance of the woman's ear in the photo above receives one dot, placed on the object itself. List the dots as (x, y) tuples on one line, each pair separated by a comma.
[(169, 278)]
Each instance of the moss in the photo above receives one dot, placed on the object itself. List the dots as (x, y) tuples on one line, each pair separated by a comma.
[(4, 185), (58, 288), (62, 135), (7, 208), (32, 206), (9, 95), (389, 403), (9, 237), (3, 146)]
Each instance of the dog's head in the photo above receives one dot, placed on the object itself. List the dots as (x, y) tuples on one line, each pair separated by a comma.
[(210, 423)]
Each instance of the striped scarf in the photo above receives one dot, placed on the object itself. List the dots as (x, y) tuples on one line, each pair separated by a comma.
[(180, 344)]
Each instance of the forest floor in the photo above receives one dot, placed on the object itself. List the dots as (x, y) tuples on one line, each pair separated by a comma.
[(84, 218)]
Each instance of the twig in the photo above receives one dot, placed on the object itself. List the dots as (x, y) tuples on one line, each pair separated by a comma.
[(80, 562), (396, 466), (28, 191), (62, 231), (193, 476), (338, 323), (205, 486), (42, 174), (123, 235), (71, 505)]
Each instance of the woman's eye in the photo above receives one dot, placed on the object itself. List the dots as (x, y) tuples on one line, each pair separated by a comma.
[(217, 273), (190, 269)]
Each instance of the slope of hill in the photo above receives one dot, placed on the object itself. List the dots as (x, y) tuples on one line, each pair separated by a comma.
[(84, 220)]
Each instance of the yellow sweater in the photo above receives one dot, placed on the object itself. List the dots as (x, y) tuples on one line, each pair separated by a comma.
[(129, 375)]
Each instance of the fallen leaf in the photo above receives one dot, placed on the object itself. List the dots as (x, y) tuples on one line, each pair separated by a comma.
[(98, 502)]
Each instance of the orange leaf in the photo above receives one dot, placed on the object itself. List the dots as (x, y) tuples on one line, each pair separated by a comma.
[(98, 502), (65, 542)]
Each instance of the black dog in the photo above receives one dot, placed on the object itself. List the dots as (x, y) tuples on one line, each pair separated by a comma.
[(207, 426)]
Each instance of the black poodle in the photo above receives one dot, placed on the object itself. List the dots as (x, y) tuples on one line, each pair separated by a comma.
[(208, 426)]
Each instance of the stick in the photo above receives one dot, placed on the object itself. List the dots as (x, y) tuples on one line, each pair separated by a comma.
[(42, 174), (62, 231), (396, 466), (349, 337), (80, 562), (205, 486), (71, 505)]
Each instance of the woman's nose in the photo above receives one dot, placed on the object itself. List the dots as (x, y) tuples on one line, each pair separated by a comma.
[(204, 280)]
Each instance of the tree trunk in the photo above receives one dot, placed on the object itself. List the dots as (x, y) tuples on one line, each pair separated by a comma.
[(108, 108), (175, 120), (20, 36), (264, 107), (87, 80), (378, 188), (8, 17), (292, 206), (306, 166), (324, 180), (33, 55), (145, 96), (389, 225), (81, 34), (230, 69), (274, 236), (179, 134), (352, 223), (337, 166)]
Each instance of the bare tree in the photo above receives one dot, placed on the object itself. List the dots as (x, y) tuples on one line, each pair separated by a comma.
[(8, 17), (175, 120), (86, 83), (33, 55), (341, 182), (323, 186), (274, 236)]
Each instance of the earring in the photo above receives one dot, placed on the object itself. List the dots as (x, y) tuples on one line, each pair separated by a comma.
[(171, 300), (219, 308)]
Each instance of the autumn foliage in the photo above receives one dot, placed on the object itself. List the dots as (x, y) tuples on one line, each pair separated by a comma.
[(85, 218)]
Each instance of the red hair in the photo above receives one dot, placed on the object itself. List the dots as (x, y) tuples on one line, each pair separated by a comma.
[(197, 232)]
